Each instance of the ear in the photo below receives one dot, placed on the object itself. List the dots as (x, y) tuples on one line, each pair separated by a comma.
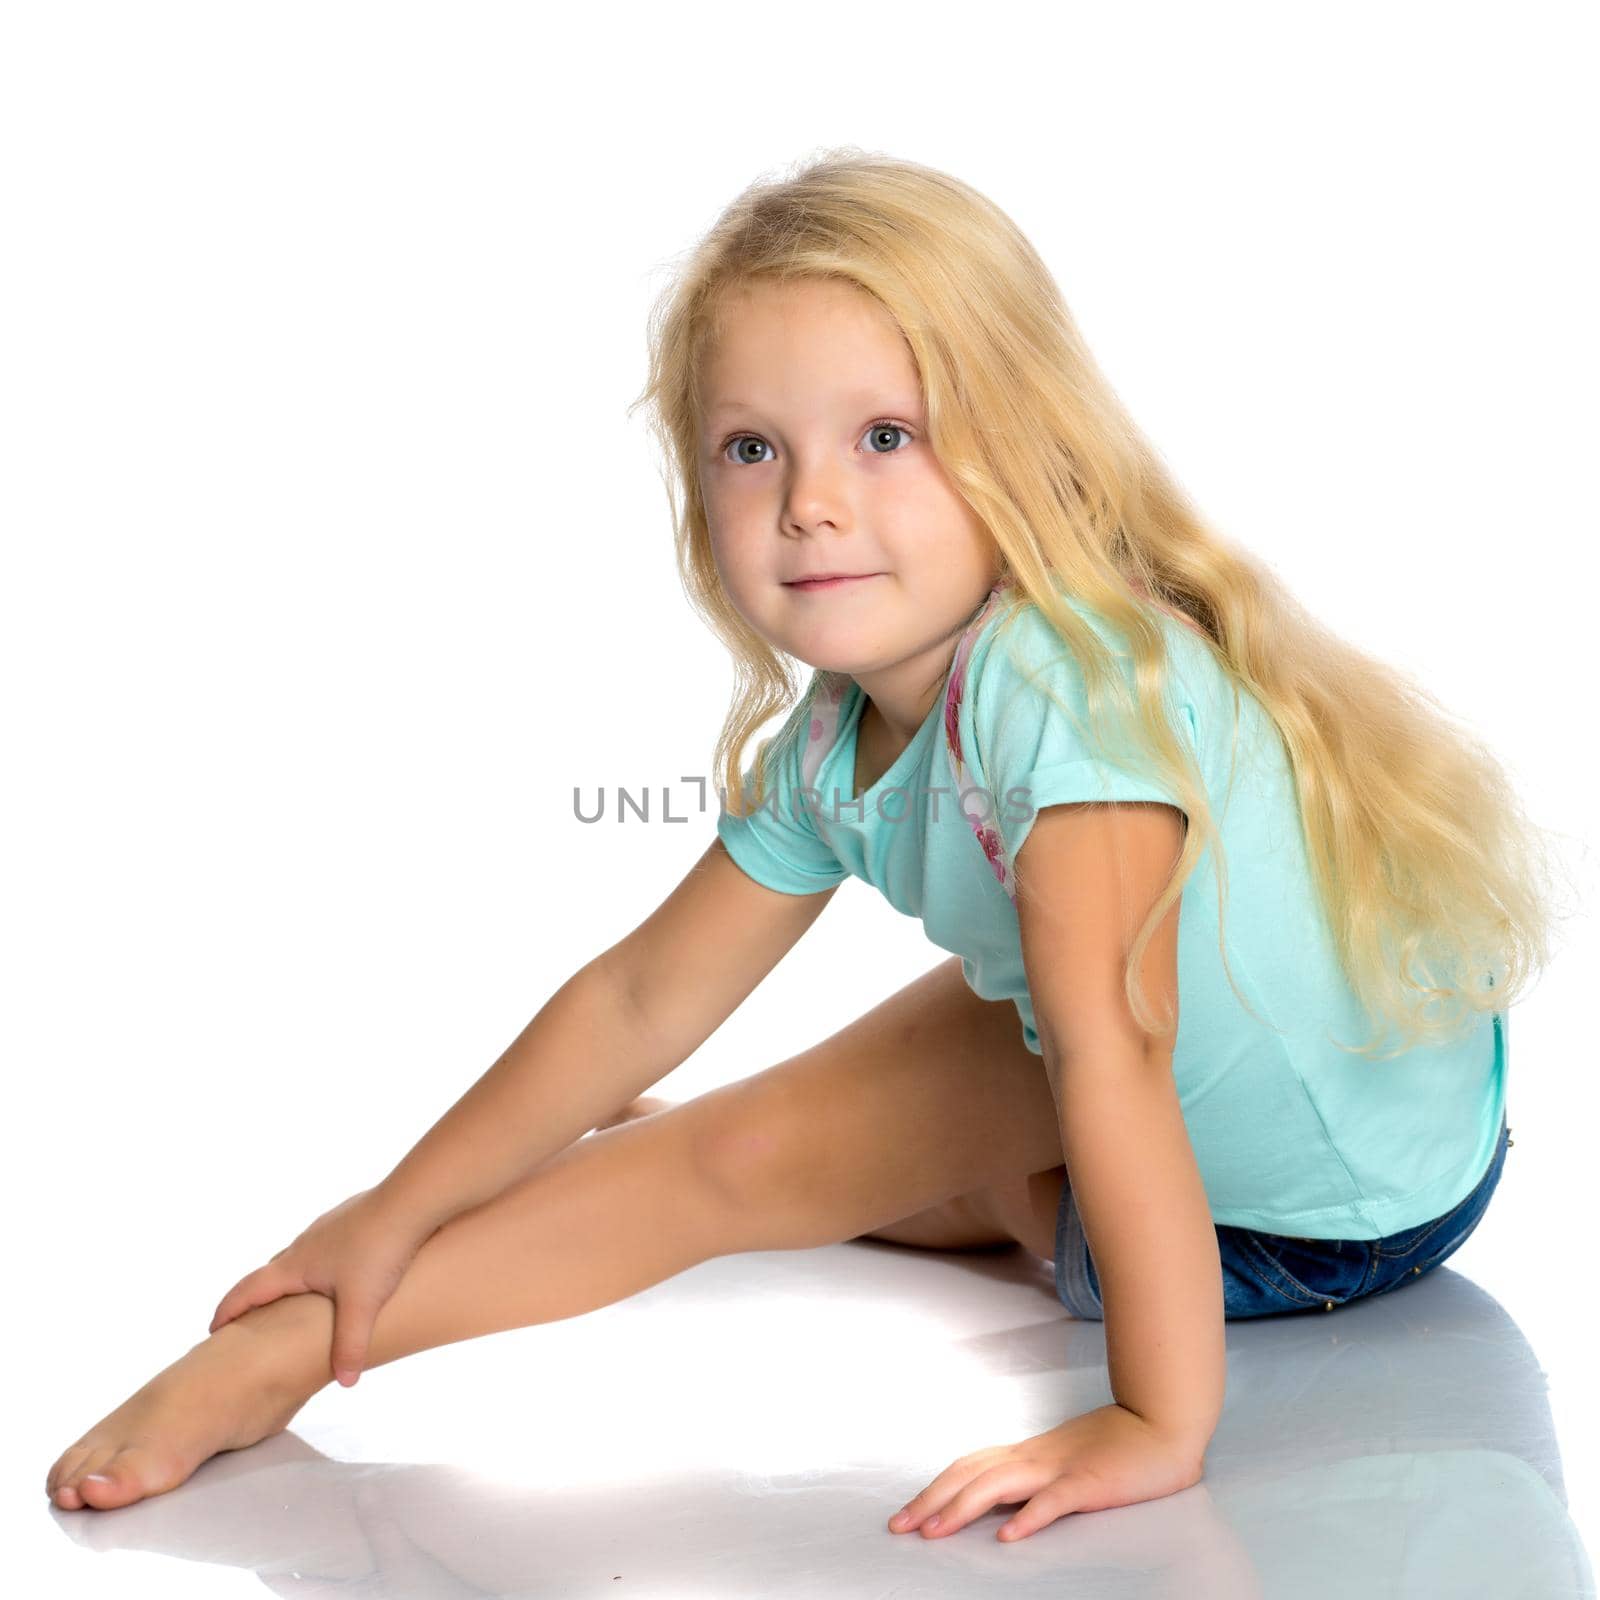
[(1089, 874)]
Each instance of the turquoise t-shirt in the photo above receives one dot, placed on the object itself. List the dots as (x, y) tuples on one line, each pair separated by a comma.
[(1291, 1134)]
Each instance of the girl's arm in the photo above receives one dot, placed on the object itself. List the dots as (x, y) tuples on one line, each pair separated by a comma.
[(1093, 872), (615, 1027)]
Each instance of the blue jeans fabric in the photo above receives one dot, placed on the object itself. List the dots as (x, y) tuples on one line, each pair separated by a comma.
[(1264, 1274)]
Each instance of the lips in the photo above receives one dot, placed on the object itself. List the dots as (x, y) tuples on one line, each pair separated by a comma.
[(832, 581)]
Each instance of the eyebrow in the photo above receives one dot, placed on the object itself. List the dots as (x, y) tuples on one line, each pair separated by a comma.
[(863, 398)]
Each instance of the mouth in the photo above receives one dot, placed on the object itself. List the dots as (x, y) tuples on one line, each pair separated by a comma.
[(837, 580)]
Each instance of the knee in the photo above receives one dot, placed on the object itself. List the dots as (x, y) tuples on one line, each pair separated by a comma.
[(741, 1149)]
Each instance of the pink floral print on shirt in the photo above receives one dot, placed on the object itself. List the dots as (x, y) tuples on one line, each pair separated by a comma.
[(829, 699), (828, 702), (985, 830)]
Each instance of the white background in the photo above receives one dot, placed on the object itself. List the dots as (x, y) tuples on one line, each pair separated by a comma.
[(332, 563)]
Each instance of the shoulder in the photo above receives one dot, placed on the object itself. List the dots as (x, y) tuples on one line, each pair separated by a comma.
[(1029, 701), (1022, 646)]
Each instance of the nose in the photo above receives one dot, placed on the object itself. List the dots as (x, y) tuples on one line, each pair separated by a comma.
[(815, 499)]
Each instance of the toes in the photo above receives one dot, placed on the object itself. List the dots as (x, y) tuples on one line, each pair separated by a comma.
[(69, 1474), (98, 1479), (67, 1464), (65, 1494), (134, 1473), (108, 1484)]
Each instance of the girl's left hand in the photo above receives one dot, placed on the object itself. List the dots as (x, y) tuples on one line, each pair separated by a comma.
[(1107, 1457)]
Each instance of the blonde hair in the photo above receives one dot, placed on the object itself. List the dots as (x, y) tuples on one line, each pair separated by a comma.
[(1434, 882)]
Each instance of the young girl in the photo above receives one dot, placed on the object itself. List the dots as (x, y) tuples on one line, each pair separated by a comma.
[(1110, 765)]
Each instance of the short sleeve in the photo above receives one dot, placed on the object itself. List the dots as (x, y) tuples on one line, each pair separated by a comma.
[(777, 844), (1034, 752)]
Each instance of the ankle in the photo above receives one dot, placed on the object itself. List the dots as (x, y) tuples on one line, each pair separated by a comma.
[(291, 1338)]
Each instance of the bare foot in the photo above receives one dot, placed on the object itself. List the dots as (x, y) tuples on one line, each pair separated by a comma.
[(240, 1385), (645, 1106)]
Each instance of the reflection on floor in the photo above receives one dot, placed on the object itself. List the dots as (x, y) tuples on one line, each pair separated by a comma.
[(748, 1428)]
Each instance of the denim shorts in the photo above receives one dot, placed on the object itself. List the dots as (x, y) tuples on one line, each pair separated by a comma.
[(1264, 1274)]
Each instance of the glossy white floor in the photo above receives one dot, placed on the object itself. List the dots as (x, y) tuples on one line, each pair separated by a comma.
[(747, 1428)]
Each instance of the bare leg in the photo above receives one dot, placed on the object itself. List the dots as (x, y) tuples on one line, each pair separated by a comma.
[(1020, 1211), (606, 1217), (931, 1094)]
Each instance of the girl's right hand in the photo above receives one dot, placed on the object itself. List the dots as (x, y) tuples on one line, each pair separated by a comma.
[(356, 1254)]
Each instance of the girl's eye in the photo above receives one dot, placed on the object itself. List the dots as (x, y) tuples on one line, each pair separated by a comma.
[(744, 440), (881, 428)]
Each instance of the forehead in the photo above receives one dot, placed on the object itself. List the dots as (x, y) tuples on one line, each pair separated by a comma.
[(892, 394), (794, 339)]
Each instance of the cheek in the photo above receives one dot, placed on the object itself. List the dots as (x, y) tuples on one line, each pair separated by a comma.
[(927, 481), (923, 505), (736, 566), (733, 514)]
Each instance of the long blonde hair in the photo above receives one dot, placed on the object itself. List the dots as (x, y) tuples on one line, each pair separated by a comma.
[(1434, 882)]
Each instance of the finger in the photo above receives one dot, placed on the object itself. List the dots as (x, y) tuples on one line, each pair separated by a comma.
[(353, 1319), (997, 1486), (1054, 1500), (261, 1287), (229, 1306), (911, 1514), (936, 1496)]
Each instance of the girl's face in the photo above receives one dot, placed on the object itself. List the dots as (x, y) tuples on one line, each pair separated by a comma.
[(814, 459)]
